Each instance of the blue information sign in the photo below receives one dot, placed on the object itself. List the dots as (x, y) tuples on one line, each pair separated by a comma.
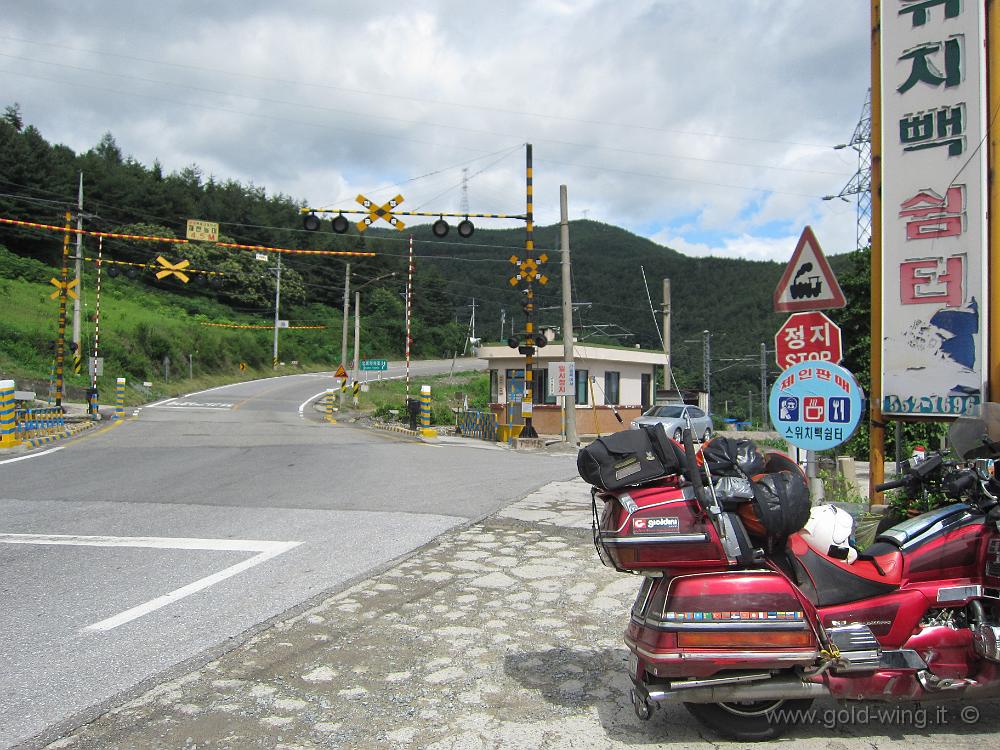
[(816, 405)]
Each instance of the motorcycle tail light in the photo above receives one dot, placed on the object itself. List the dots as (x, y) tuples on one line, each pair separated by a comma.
[(745, 639)]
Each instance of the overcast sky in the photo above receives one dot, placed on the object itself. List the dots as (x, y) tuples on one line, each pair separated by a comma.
[(705, 125)]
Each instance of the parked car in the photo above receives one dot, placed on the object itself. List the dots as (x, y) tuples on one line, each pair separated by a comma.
[(673, 417)]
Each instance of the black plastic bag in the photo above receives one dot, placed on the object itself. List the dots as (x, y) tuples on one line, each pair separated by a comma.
[(732, 457)]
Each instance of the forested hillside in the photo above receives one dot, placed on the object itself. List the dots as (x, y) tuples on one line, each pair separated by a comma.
[(728, 297)]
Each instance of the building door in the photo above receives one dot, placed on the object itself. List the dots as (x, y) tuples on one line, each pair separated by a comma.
[(647, 391)]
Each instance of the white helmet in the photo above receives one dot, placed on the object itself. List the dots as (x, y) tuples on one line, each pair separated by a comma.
[(828, 531)]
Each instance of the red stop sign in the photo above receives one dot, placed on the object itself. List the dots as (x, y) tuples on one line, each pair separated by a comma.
[(808, 337)]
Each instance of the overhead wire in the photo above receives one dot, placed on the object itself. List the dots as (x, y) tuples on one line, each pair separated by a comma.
[(422, 100)]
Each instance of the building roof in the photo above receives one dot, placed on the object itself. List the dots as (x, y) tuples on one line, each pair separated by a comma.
[(588, 352)]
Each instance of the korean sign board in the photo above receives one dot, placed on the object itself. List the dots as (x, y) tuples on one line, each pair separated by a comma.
[(202, 231), (933, 207), (374, 365), (816, 406), (562, 378), (808, 337)]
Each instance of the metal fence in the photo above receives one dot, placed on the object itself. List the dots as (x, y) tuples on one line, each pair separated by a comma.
[(477, 424), (38, 426)]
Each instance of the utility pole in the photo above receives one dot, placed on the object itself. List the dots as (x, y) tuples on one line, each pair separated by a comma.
[(357, 332), (668, 372), (763, 386), (569, 400), (503, 322), (78, 350), (277, 303), (343, 335), (707, 369), (473, 317)]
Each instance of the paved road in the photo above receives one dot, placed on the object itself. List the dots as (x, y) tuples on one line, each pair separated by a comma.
[(129, 551), (504, 634)]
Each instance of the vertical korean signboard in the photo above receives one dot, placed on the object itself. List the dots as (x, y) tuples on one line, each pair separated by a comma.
[(934, 260)]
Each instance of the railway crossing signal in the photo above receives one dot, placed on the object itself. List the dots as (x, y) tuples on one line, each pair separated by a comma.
[(376, 212), (175, 269), (68, 286), (529, 270)]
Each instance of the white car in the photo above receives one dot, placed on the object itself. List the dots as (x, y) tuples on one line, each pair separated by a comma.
[(674, 418)]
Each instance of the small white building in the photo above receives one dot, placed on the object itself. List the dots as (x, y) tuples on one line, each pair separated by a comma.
[(605, 376)]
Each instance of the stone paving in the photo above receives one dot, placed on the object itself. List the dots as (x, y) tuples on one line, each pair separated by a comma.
[(503, 634)]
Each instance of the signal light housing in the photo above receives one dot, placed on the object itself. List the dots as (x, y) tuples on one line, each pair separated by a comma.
[(513, 342), (465, 228), (440, 228), (340, 224), (310, 222)]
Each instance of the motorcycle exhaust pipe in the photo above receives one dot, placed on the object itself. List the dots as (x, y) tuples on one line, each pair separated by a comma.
[(788, 688)]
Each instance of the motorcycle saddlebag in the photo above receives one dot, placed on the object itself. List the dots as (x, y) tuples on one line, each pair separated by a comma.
[(629, 458), (657, 527)]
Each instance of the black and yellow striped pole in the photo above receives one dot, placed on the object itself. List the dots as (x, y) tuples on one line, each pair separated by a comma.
[(529, 326), (63, 293)]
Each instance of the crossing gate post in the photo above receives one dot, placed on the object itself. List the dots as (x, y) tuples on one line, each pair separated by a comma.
[(8, 426), (329, 405), (120, 399), (425, 413)]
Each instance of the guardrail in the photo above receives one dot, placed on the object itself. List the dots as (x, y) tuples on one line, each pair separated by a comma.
[(40, 426), (477, 424)]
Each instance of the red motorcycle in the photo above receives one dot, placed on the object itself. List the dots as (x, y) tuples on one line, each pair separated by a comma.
[(745, 622)]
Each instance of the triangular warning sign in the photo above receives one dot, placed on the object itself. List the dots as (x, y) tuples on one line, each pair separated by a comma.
[(341, 372), (808, 282)]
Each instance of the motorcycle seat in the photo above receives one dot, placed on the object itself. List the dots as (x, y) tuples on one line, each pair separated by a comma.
[(827, 581), (902, 533)]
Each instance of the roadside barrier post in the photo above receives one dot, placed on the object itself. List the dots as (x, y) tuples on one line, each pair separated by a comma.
[(329, 405), (425, 413), (8, 427), (120, 399)]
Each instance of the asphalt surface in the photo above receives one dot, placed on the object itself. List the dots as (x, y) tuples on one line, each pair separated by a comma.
[(135, 548), (505, 633)]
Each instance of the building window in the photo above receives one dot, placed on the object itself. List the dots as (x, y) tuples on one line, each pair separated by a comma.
[(541, 387), (611, 379), (494, 386), (582, 379)]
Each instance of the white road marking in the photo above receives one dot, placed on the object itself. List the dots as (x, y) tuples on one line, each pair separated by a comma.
[(31, 455), (159, 403), (305, 403), (265, 549)]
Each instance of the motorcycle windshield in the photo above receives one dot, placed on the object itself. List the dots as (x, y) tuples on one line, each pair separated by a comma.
[(977, 437)]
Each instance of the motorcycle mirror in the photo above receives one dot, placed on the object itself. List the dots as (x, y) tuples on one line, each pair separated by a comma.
[(978, 436)]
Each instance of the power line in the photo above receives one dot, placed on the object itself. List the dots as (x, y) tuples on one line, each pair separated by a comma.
[(422, 100)]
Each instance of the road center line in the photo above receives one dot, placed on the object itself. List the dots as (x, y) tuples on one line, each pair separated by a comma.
[(265, 549), (31, 455)]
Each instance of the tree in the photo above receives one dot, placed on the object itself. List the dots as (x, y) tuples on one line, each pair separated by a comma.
[(12, 116)]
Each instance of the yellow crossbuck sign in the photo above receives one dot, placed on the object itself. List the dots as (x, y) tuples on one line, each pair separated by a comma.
[(377, 212), (172, 268), (59, 287), (528, 269)]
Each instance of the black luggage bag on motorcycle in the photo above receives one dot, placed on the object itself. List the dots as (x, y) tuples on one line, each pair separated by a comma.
[(629, 458)]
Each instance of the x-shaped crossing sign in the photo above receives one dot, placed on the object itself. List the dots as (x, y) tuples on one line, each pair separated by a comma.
[(377, 212), (172, 269), (59, 287), (529, 270)]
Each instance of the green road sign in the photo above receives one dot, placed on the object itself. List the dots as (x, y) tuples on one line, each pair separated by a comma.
[(374, 364)]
